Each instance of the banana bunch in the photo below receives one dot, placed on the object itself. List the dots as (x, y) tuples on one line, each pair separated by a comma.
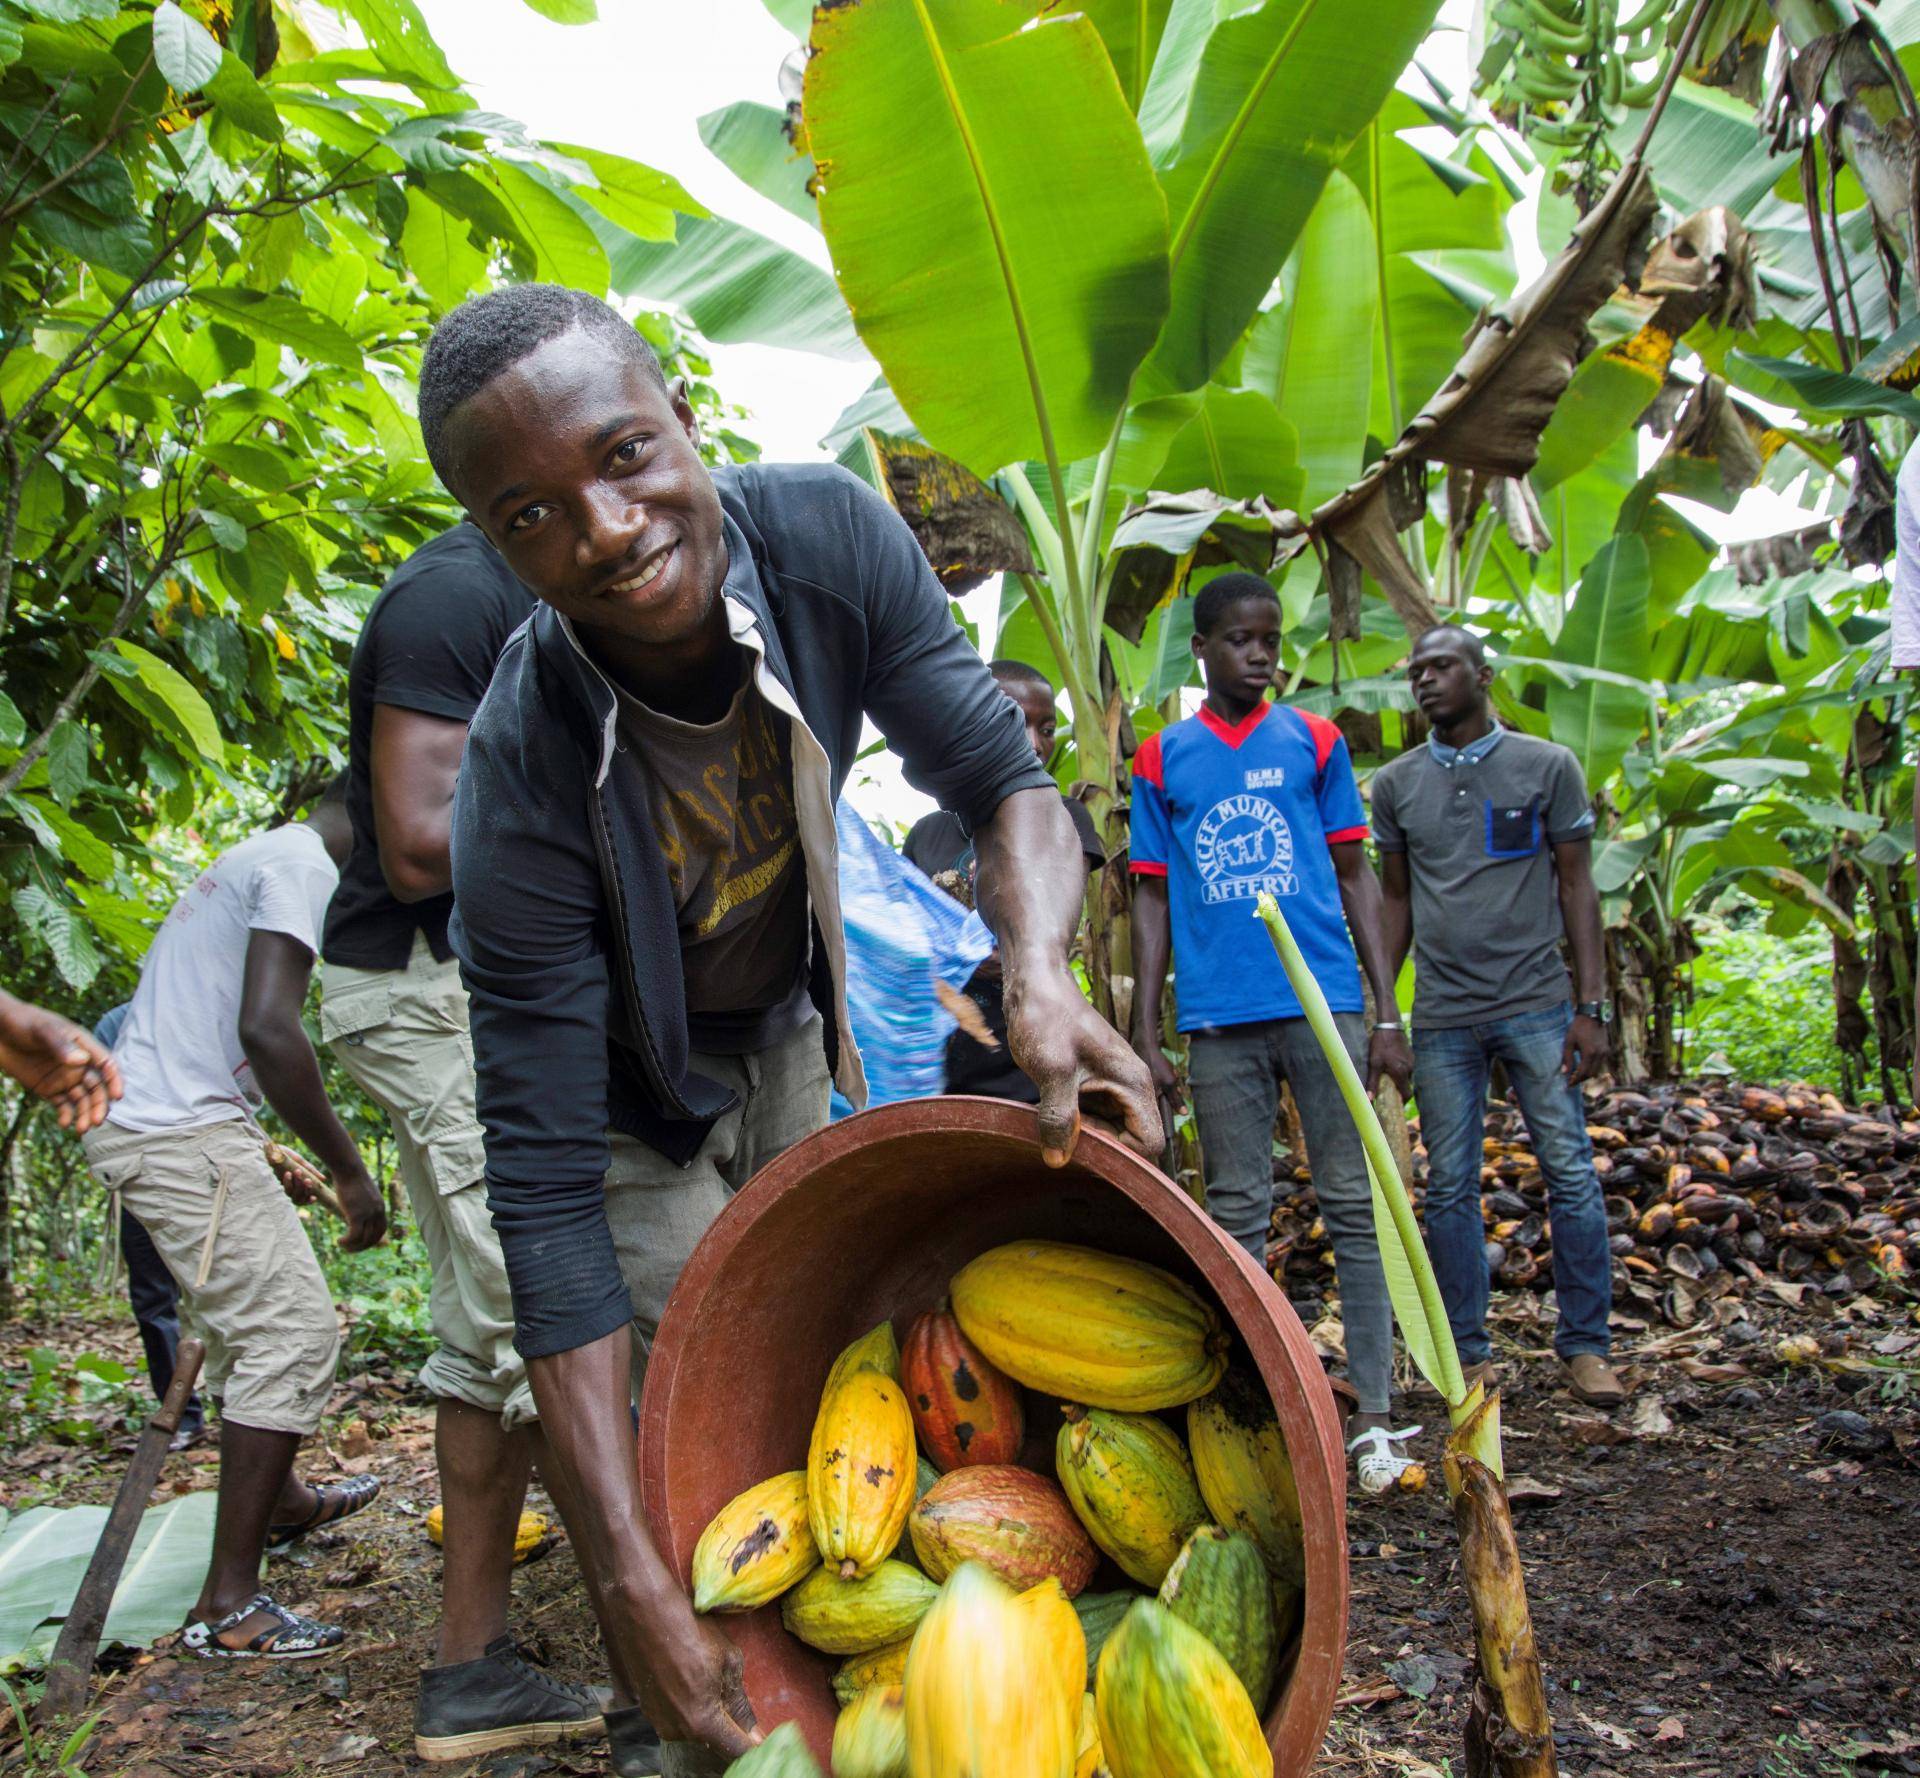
[(1573, 66)]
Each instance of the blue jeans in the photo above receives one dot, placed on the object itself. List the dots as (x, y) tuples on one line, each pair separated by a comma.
[(1451, 1067)]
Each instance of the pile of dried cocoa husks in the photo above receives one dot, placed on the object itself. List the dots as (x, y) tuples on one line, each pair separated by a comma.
[(1709, 1187)]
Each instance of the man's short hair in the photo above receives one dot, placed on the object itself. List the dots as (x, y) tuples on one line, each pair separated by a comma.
[(1011, 672), (491, 333), (1472, 646), (1224, 590)]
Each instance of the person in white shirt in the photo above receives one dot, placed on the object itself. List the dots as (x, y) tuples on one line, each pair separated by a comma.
[(214, 1029)]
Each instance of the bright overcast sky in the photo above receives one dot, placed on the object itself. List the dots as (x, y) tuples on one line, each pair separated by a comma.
[(637, 83)]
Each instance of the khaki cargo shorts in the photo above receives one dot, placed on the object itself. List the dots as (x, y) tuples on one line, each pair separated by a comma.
[(249, 1283), (402, 1035), (657, 1209)]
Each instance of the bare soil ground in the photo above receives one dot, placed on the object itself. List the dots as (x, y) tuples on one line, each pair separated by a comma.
[(1725, 1581)]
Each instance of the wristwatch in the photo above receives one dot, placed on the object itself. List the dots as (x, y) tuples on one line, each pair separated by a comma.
[(1597, 1010)]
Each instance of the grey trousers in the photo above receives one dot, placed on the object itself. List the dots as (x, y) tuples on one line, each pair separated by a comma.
[(658, 1210), (1234, 1073)]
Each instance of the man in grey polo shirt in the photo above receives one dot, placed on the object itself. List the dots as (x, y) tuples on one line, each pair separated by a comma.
[(1485, 840)]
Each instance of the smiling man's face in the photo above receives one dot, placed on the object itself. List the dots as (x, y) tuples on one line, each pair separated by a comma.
[(583, 472)]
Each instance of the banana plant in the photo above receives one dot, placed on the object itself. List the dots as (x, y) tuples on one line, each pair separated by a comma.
[(1512, 1686)]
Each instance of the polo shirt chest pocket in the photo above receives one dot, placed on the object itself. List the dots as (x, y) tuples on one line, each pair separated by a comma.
[(1513, 832)]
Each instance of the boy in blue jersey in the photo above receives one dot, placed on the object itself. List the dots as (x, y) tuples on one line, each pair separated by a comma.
[(1245, 796)]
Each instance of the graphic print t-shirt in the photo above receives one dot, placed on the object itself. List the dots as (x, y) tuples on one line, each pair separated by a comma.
[(179, 1050), (721, 796), (1225, 812)]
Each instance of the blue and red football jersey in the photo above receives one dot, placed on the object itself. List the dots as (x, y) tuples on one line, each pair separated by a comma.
[(1226, 811)]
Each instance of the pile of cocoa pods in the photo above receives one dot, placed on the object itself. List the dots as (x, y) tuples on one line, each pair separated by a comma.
[(1709, 1187)]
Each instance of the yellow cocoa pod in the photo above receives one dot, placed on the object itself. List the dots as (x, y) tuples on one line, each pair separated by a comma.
[(1245, 1475), (1086, 1758), (855, 1617), (1060, 1626), (870, 1737), (533, 1533), (1068, 1321), (885, 1666), (985, 1693), (860, 1472), (876, 1351), (1131, 1483), (1169, 1706), (758, 1545)]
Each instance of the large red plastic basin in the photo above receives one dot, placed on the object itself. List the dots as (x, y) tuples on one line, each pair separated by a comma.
[(868, 1219)]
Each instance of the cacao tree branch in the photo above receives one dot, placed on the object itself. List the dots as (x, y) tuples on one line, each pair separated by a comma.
[(131, 600), (16, 206)]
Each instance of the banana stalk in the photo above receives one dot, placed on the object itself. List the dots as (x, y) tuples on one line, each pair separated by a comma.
[(1508, 1729)]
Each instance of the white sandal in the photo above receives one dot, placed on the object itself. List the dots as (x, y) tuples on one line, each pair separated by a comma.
[(1379, 1464)]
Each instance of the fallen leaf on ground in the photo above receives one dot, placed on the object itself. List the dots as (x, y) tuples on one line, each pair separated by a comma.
[(348, 1747), (1416, 1675), (1650, 1418), (1671, 1729), (1526, 1490), (1609, 1734)]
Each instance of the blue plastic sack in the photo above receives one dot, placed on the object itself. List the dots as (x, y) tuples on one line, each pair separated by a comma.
[(902, 936)]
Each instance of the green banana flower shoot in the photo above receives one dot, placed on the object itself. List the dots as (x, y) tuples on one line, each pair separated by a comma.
[(1508, 1731)]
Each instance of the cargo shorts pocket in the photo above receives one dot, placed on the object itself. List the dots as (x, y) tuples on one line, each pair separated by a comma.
[(457, 1159), (346, 1013)]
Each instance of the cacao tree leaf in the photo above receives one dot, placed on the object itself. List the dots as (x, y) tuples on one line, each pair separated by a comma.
[(184, 50), (567, 12), (196, 719), (64, 934), (68, 756)]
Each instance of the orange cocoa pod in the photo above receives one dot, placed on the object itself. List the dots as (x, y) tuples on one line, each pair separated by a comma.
[(965, 1412)]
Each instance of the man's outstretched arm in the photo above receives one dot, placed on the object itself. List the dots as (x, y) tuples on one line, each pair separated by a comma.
[(1032, 883)]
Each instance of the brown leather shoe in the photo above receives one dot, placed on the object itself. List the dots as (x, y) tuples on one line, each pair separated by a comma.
[(1593, 1381), (1486, 1372)]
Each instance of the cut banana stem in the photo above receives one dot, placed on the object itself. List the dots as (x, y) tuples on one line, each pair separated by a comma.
[(1509, 1729)]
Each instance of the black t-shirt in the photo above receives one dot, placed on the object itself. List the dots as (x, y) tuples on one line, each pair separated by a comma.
[(937, 843), (430, 644)]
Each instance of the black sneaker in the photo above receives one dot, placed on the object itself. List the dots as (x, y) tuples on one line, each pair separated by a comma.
[(500, 1700), (633, 1749)]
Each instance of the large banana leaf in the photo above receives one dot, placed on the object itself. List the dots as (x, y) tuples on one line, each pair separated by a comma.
[(737, 285), (1313, 354), (751, 142), (1131, 31), (1238, 446), (993, 219), (1248, 110), (1606, 630), (1429, 217), (44, 1553)]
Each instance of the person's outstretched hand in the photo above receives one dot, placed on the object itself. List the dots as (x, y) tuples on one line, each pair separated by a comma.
[(55, 1059), (692, 1688), (1080, 1063)]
